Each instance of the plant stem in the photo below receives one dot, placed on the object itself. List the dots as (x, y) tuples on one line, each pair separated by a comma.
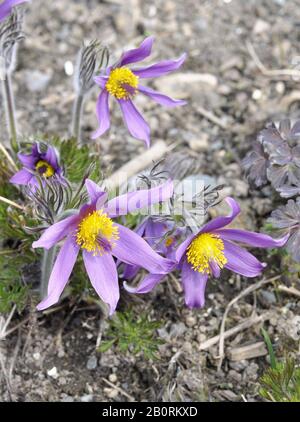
[(10, 111), (77, 114), (47, 265)]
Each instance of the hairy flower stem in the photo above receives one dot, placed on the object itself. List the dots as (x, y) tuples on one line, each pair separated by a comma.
[(77, 114), (10, 111), (47, 265)]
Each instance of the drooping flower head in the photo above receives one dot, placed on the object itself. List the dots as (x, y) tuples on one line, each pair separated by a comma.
[(206, 253), (6, 7), (93, 230), (123, 83), (39, 162)]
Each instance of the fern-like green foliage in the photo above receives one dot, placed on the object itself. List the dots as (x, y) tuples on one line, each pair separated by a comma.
[(13, 290), (77, 159), (282, 383), (133, 334)]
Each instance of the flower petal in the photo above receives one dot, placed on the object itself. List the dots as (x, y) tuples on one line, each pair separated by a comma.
[(28, 160), (22, 177), (259, 240), (132, 201), (132, 249), (146, 285), (183, 247), (61, 272), (194, 284), (56, 232), (160, 68), (241, 261), (101, 81), (6, 7), (135, 122), (160, 98), (51, 157), (95, 193), (137, 54), (103, 274), (102, 111), (222, 221)]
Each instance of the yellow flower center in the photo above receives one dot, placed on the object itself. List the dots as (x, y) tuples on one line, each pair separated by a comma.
[(44, 168), (203, 250), (169, 241), (122, 83), (96, 233)]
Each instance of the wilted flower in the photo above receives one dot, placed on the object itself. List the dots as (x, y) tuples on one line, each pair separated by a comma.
[(206, 253), (123, 84), (39, 162), (287, 219), (6, 7), (93, 230)]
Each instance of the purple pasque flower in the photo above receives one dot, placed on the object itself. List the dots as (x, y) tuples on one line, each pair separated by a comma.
[(44, 164), (123, 83), (206, 253), (160, 235), (6, 7), (93, 230)]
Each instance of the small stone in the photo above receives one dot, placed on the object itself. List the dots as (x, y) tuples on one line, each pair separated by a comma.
[(87, 398), (92, 363), (261, 26), (53, 373), (36, 356), (190, 321), (113, 378), (267, 298), (256, 94), (199, 144), (111, 392), (241, 188)]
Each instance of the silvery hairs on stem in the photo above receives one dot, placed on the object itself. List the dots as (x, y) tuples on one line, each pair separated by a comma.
[(92, 57), (11, 33), (53, 199)]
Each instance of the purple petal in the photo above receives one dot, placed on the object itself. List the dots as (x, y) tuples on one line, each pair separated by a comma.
[(241, 261), (147, 284), (6, 7), (135, 122), (56, 232), (28, 160), (222, 221), (259, 240), (132, 201), (22, 177), (95, 193), (61, 272), (161, 98), (101, 81), (137, 54), (194, 284), (183, 247), (132, 249), (160, 68), (102, 111), (103, 274), (51, 157)]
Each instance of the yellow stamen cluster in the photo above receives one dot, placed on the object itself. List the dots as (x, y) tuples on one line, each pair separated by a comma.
[(118, 82), (169, 241), (44, 168), (203, 250), (96, 226)]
